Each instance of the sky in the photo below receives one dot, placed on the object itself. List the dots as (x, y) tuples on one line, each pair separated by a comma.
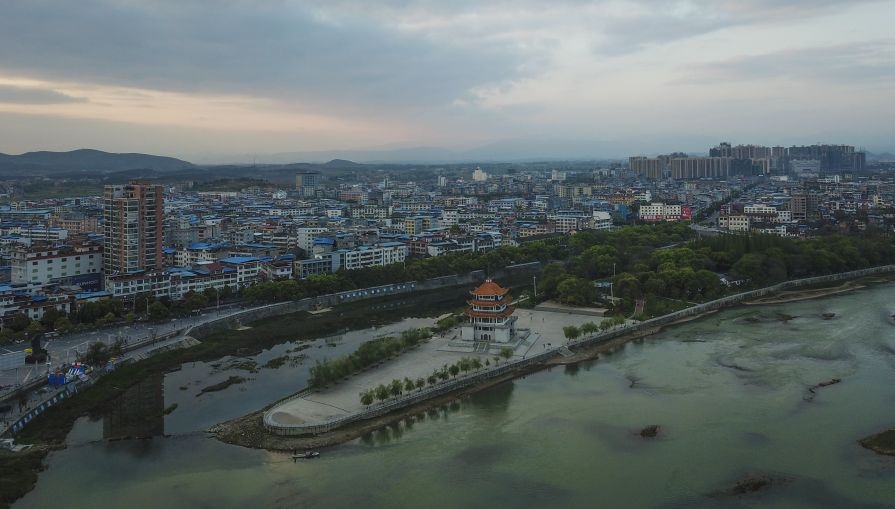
[(225, 80)]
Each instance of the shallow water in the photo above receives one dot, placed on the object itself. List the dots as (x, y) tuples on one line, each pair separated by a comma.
[(730, 393)]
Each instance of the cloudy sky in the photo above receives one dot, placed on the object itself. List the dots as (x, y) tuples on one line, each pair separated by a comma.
[(219, 79)]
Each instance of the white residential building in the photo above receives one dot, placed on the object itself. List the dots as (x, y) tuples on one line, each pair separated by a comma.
[(41, 265)]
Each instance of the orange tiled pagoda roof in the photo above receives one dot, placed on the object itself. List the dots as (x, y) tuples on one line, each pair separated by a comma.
[(489, 288)]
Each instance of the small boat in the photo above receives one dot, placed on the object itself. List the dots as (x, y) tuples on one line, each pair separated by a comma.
[(305, 455)]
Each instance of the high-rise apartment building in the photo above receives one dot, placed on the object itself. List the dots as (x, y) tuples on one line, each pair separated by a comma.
[(306, 183), (132, 227)]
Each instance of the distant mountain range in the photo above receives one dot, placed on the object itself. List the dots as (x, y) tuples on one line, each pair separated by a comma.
[(132, 165), (881, 156), (86, 160), (500, 151)]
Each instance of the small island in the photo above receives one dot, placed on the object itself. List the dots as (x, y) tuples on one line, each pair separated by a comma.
[(881, 443)]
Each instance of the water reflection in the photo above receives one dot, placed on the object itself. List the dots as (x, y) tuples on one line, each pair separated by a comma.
[(139, 412)]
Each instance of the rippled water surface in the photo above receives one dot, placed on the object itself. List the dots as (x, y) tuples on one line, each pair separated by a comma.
[(730, 393)]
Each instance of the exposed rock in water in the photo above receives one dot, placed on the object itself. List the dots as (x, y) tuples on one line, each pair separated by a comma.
[(881, 443), (813, 389), (783, 317), (732, 366), (649, 431), (223, 385), (827, 316), (752, 484)]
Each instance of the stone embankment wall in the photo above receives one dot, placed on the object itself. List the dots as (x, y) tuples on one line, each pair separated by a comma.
[(461, 382)]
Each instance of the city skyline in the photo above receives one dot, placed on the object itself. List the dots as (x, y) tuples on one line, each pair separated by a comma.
[(225, 82)]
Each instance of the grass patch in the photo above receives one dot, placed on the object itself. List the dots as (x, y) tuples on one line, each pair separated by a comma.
[(18, 474), (277, 362)]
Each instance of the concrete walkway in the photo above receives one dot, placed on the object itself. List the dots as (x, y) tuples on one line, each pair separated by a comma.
[(343, 399)]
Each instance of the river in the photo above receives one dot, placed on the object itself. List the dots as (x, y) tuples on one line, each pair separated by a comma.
[(729, 392)]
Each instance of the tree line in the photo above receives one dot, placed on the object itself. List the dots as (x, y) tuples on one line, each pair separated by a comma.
[(664, 265), (110, 311), (397, 387), (367, 354)]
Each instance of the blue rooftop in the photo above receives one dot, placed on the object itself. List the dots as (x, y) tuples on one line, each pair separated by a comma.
[(240, 259)]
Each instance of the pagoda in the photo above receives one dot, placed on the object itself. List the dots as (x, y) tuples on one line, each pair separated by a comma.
[(490, 315)]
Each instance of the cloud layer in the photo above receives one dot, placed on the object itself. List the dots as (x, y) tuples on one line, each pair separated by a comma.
[(338, 73)]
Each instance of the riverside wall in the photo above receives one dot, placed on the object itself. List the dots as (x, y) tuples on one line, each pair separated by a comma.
[(462, 382), (514, 272)]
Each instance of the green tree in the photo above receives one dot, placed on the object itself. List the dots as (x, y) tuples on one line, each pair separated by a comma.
[(107, 319), (158, 311), (35, 327), (408, 384), (571, 332), (454, 370), (506, 352), (367, 397), (420, 383), (576, 291), (193, 301), (18, 322), (396, 388), (588, 328), (97, 355), (382, 392), (50, 316), (63, 325)]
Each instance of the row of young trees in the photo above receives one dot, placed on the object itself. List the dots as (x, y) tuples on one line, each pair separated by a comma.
[(367, 354), (572, 332), (397, 387)]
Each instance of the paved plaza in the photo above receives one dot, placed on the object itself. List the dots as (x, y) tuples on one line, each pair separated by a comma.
[(545, 331)]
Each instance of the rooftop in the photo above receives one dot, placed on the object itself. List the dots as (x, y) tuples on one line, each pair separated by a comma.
[(489, 288)]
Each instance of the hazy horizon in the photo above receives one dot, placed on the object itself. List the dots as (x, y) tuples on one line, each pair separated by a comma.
[(224, 81)]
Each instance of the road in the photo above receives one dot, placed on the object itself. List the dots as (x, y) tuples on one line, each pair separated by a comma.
[(64, 349)]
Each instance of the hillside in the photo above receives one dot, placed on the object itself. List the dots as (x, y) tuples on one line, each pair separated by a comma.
[(85, 160)]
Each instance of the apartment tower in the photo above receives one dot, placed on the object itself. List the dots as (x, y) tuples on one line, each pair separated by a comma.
[(132, 225)]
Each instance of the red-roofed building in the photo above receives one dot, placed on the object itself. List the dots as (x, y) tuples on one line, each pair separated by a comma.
[(490, 315)]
